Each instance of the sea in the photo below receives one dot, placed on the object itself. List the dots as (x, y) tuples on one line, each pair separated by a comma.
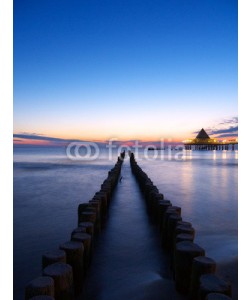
[(49, 185)]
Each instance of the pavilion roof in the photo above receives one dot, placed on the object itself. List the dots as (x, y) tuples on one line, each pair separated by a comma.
[(202, 135)]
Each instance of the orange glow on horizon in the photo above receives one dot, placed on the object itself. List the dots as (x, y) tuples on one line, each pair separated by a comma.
[(20, 141), (94, 136), (66, 139)]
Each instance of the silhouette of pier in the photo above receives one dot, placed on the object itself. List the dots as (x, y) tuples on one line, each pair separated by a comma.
[(204, 142)]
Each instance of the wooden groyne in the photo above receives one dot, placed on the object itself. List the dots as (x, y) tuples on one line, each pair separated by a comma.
[(193, 272), (64, 269)]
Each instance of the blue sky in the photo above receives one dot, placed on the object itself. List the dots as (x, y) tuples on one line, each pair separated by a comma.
[(126, 69)]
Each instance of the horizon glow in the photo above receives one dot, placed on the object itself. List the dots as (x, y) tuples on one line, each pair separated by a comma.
[(95, 70)]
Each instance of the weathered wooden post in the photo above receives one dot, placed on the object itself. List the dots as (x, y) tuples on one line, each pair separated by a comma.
[(97, 205), (210, 283), (173, 210), (185, 252), (201, 265), (183, 237), (87, 216), (102, 196), (185, 228), (52, 257), (172, 221), (163, 205), (43, 285), (74, 256), (88, 227), (63, 279), (84, 238), (216, 296), (42, 297), (184, 223)]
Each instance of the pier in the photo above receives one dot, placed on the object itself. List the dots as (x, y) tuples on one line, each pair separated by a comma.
[(204, 142), (130, 242)]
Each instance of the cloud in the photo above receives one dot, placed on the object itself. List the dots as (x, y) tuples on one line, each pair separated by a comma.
[(230, 130), (30, 133), (228, 135), (233, 120), (34, 136)]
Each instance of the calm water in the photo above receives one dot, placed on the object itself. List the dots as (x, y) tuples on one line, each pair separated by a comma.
[(205, 185), (48, 188)]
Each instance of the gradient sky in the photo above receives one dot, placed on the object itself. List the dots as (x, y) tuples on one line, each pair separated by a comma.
[(126, 69)]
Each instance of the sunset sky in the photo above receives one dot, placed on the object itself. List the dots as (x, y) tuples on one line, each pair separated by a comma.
[(125, 69)]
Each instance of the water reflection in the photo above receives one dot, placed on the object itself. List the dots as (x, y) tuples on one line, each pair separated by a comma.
[(187, 154), (224, 154), (214, 154)]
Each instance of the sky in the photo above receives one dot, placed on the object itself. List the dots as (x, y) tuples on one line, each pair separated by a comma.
[(125, 69)]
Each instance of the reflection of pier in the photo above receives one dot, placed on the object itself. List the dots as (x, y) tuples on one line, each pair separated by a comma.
[(204, 142)]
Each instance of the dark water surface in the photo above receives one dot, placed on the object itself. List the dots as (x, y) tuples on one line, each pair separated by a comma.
[(48, 188)]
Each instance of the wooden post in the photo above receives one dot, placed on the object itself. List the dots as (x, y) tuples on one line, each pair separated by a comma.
[(184, 223), (89, 227), (183, 237), (184, 254), (86, 240), (74, 255), (201, 265), (42, 297), (43, 285), (217, 296), (187, 229), (97, 205), (172, 221), (163, 205), (210, 283), (87, 216), (52, 257), (63, 278)]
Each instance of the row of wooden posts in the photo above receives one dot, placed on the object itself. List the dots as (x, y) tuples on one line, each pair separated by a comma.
[(64, 269), (193, 272)]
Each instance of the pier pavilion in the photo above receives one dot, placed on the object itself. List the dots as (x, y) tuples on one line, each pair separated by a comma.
[(204, 142)]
